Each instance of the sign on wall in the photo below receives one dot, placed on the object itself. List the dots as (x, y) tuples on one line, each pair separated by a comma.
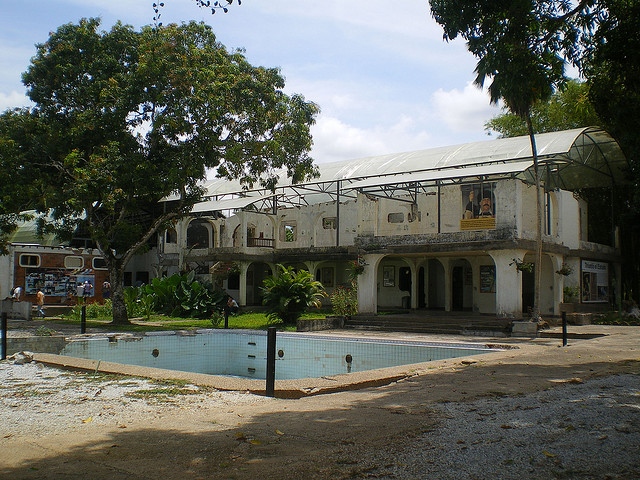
[(595, 282), (487, 278)]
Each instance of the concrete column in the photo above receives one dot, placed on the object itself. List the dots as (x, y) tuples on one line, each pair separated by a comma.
[(312, 267), (368, 284), (475, 282), (558, 281), (414, 282), (242, 293), (508, 283), (446, 263)]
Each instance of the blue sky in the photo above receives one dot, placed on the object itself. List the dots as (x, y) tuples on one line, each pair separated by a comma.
[(380, 71)]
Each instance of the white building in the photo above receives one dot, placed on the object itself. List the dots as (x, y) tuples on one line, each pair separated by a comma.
[(437, 229)]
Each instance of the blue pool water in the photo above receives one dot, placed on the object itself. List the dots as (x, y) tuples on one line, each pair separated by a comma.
[(242, 353)]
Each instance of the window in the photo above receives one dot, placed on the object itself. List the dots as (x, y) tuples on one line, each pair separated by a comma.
[(29, 260), (327, 276), (290, 233), (73, 262), (99, 263), (329, 223), (395, 218), (170, 236)]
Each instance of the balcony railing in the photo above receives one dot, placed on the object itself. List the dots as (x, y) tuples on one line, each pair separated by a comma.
[(260, 242)]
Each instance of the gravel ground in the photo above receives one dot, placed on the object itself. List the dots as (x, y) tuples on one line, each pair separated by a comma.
[(37, 400), (581, 430), (587, 430)]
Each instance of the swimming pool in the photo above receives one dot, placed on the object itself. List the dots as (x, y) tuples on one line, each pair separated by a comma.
[(242, 353)]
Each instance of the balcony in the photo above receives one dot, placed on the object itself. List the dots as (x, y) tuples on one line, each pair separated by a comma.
[(260, 242)]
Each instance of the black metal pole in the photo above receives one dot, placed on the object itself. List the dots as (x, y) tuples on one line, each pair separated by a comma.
[(4, 336), (83, 319), (271, 361), (564, 329), (226, 317)]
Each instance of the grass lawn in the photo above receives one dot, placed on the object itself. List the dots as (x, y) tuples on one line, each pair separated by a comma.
[(247, 320)]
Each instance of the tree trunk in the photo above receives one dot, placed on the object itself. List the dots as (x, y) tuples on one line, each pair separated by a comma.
[(535, 315), (116, 274)]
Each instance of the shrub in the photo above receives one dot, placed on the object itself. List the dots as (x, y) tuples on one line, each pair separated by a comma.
[(184, 296), (344, 300), (290, 294)]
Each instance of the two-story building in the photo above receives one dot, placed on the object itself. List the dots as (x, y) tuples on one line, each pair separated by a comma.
[(444, 228)]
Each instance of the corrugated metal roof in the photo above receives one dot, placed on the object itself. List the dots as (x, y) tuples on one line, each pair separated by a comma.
[(228, 203), (563, 154), (433, 175)]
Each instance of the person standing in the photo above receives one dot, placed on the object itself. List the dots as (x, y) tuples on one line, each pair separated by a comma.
[(17, 293), (40, 302), (106, 290)]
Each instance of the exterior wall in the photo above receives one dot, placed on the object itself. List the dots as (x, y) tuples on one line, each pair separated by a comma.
[(51, 274), (569, 213), (433, 234)]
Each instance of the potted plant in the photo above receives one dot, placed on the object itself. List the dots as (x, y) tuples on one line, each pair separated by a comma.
[(569, 299), (565, 270), (522, 266)]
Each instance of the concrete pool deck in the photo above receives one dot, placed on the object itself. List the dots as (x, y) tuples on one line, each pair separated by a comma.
[(376, 432), (509, 348)]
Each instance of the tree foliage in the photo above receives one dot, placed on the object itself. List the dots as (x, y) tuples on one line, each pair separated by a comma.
[(611, 65), (566, 109), (124, 119)]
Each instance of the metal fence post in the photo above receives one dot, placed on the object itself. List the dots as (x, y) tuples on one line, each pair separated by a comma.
[(3, 327), (271, 361), (564, 329), (83, 319)]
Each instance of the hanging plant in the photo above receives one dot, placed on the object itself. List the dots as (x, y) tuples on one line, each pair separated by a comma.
[(565, 270), (522, 266), (356, 267)]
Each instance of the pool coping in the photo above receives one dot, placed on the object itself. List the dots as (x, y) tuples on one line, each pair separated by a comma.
[(290, 389)]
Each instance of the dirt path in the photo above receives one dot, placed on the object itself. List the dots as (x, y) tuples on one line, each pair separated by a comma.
[(381, 432)]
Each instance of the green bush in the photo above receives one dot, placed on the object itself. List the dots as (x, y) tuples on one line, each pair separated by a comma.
[(290, 294), (184, 296), (344, 300)]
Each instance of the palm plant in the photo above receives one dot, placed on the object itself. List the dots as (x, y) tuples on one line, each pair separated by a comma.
[(289, 294)]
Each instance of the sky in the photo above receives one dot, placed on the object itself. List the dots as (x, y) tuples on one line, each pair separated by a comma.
[(380, 71)]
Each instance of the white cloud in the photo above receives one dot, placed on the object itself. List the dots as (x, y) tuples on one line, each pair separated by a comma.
[(13, 100), (464, 111), (335, 140)]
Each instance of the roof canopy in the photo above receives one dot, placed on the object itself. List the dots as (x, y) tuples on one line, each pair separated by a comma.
[(570, 159)]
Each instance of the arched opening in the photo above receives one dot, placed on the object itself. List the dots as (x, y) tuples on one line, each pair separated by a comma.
[(461, 286), (237, 237), (199, 234), (256, 273)]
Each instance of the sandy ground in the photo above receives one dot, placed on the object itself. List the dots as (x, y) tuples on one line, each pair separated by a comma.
[(540, 411)]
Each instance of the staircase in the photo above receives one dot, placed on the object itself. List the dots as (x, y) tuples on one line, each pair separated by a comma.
[(443, 323)]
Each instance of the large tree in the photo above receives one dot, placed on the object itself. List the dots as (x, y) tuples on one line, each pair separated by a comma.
[(518, 44), (124, 119), (611, 66)]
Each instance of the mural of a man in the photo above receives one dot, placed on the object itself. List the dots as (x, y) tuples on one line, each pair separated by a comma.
[(471, 210)]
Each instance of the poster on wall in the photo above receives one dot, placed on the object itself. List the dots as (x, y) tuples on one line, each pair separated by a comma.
[(487, 279), (55, 282), (595, 282), (478, 201)]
